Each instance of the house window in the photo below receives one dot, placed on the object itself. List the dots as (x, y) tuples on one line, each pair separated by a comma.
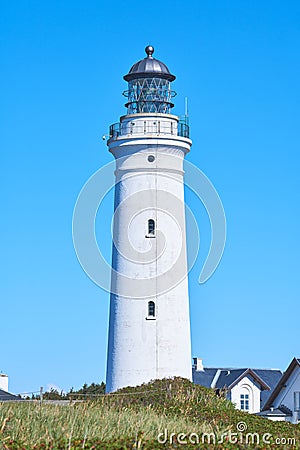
[(244, 402), (296, 401), (151, 309), (151, 227)]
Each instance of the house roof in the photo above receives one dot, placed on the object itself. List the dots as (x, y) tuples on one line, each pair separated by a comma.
[(5, 396), (229, 377), (281, 411), (204, 377), (295, 362), (271, 377)]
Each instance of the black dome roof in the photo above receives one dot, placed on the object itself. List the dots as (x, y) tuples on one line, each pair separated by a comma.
[(149, 67)]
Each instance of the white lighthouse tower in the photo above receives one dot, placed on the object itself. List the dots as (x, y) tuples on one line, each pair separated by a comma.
[(149, 325)]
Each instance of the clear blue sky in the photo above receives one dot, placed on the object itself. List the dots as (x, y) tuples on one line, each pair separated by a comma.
[(61, 72)]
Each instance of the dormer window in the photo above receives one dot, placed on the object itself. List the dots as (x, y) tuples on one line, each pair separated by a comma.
[(244, 402)]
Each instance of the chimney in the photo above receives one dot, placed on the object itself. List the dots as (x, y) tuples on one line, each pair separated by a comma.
[(198, 364)]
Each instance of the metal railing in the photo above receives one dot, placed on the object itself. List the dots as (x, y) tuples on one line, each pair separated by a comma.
[(181, 129), (115, 130)]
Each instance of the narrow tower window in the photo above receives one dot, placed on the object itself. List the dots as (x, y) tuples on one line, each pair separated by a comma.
[(151, 309), (151, 227)]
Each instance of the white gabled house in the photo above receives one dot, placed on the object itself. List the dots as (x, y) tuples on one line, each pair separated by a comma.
[(247, 388), (284, 401)]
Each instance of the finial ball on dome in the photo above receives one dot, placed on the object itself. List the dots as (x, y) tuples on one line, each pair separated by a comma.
[(149, 50)]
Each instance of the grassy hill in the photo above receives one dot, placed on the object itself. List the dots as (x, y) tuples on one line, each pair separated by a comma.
[(162, 414)]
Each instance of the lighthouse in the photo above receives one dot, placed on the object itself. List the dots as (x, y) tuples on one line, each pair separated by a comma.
[(149, 323)]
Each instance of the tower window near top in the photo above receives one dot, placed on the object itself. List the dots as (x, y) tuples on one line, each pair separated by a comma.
[(151, 227), (151, 309), (244, 402)]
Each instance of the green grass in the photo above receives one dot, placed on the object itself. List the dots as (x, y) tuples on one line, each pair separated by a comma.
[(135, 418)]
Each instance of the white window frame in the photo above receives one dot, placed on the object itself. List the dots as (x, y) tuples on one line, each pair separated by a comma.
[(244, 402)]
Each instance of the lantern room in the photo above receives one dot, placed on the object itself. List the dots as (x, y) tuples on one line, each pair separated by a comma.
[(149, 86)]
